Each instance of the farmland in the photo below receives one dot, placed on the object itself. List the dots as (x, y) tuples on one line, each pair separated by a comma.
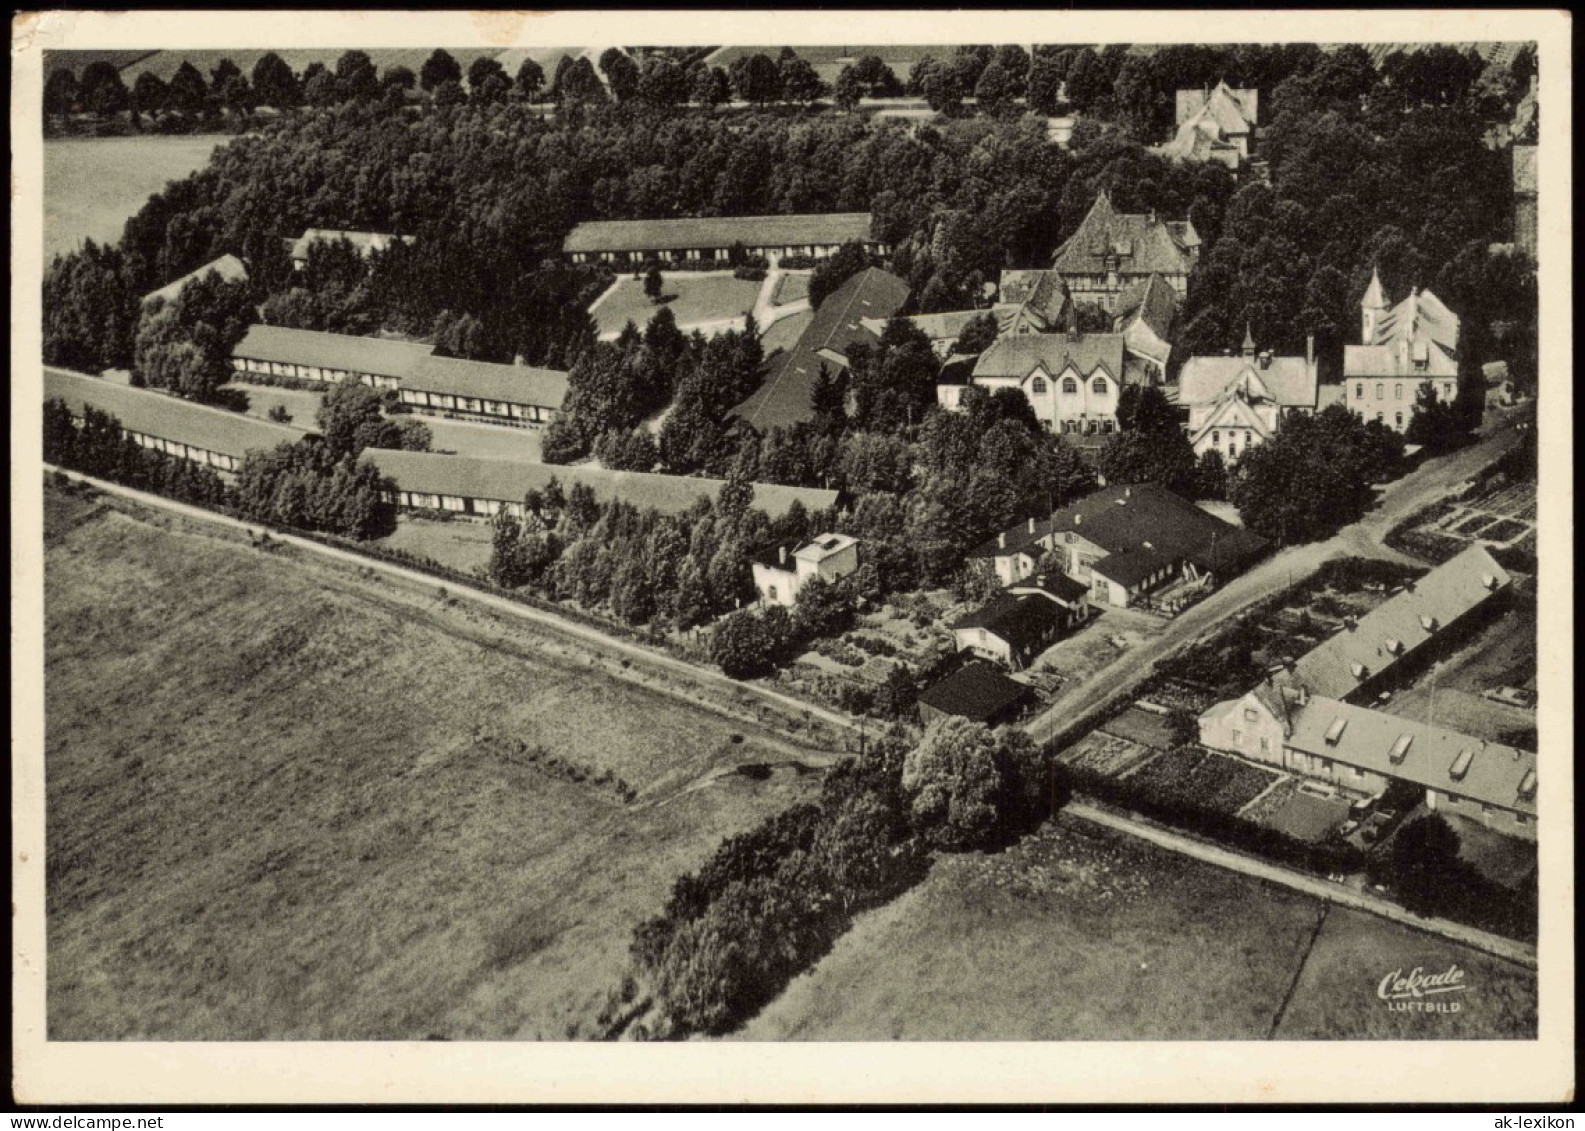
[(286, 800), (92, 186), (704, 301), (1082, 934)]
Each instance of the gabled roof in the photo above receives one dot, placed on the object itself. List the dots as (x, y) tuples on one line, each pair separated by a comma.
[(784, 397), (937, 327), (1229, 107), (1145, 314), (1053, 584), (1290, 382), (518, 384), (975, 691), (1022, 620), (1432, 757), (1396, 359), (823, 546), (507, 481), (228, 267), (1422, 317), (169, 418), (1141, 243), (365, 242), (1036, 299), (355, 353), (1131, 567), (1125, 519), (1394, 630), (1234, 412), (685, 233), (1018, 356)]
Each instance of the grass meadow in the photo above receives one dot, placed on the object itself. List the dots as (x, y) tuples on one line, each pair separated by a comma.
[(285, 801)]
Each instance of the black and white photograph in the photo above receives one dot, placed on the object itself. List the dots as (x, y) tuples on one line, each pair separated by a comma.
[(1027, 539)]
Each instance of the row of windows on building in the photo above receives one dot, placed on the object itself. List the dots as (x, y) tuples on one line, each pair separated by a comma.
[(217, 460), (1070, 387), (320, 373), (507, 412), (1397, 390)]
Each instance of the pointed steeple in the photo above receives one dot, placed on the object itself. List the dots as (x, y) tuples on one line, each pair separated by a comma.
[(1249, 341), (1371, 309)]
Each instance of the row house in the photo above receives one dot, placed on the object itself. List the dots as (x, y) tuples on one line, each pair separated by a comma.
[(197, 433), (712, 239), (515, 395), (1402, 348)]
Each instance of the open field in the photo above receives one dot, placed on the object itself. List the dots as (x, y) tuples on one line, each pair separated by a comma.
[(286, 800), (92, 186), (1077, 933), (696, 300), (459, 544)]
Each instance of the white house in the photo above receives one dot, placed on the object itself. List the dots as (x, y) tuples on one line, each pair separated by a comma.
[(1235, 403), (1071, 380), (1402, 348), (784, 569)]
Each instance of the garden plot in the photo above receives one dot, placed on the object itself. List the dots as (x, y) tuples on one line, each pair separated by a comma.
[(1292, 809), (1144, 727), (1105, 754), (1193, 776)]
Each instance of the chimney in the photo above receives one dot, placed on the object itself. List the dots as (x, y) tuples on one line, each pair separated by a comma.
[(1128, 492), (1001, 541), (1265, 360), (1031, 525), (1078, 518), (781, 554), (1309, 350), (1151, 220)]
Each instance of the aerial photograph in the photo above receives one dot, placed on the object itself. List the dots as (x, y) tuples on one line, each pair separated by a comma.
[(782, 543)]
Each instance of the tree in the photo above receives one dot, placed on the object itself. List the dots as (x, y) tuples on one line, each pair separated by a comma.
[(356, 76), (440, 67), (996, 91), (1210, 476), (61, 92), (663, 82), (708, 86), (621, 72), (977, 335), (530, 80), (848, 90), (830, 274), (275, 84), (88, 310), (898, 695), (448, 93), (400, 78), (1089, 79), (653, 283), (799, 82), (1045, 85), (102, 91), (1145, 408), (187, 92), (1425, 865), (321, 89), (823, 608), (577, 84), (414, 435), (756, 79), (1435, 424), (149, 95), (484, 68), (742, 645), (952, 784), (1163, 458), (492, 90), (350, 419)]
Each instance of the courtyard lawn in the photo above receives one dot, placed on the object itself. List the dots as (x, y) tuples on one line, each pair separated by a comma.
[(92, 186), (792, 287), (288, 802), (695, 301)]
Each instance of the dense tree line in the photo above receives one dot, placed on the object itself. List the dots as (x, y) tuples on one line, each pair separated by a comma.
[(772, 901), (310, 485), (184, 346)]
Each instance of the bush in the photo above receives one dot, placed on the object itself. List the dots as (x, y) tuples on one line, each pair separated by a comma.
[(750, 274)]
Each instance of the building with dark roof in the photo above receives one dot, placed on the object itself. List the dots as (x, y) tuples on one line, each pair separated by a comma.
[(501, 394), (228, 267), (1124, 541), (838, 325), (467, 486), (685, 239), (1012, 628), (1146, 314), (942, 329), (214, 437), (1112, 250), (976, 691)]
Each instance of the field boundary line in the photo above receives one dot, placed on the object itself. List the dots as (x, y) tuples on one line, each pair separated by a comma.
[(1298, 972)]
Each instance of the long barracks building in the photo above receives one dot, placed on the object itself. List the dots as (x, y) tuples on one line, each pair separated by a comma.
[(711, 238)]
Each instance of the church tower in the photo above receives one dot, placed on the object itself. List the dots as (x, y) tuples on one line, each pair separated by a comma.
[(1371, 309)]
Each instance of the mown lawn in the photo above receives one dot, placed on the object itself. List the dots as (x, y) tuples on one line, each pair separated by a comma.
[(284, 802), (695, 300)]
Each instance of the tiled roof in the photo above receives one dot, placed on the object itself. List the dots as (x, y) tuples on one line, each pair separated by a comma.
[(1229, 107), (509, 480), (487, 380), (1284, 381), (169, 418), (1396, 359), (1131, 567), (1422, 317), (228, 267), (1054, 584), (1022, 620), (936, 327), (1145, 316), (1397, 628), (685, 233), (975, 691), (1141, 243), (352, 352), (783, 400), (365, 242), (1018, 356), (1491, 774)]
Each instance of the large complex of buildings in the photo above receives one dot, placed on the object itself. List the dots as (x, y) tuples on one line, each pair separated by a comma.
[(427, 382), (1113, 250), (213, 437), (783, 569), (1235, 403), (712, 238), (466, 486), (838, 325), (1309, 718), (1402, 348), (1123, 542)]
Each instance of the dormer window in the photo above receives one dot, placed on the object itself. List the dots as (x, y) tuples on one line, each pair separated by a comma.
[(1357, 670), (1038, 387), (1460, 765), (1400, 749), (1070, 386), (1098, 385)]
